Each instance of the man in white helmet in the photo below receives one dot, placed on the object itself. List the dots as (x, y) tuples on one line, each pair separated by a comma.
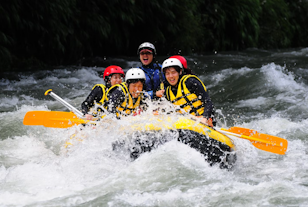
[(187, 92), (154, 77), (127, 98)]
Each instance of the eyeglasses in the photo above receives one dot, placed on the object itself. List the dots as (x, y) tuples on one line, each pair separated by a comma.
[(145, 53)]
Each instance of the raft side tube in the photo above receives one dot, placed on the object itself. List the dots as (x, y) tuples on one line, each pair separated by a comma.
[(216, 147), (185, 124)]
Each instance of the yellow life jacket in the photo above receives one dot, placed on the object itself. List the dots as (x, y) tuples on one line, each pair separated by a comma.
[(127, 107), (185, 99), (100, 102), (95, 109)]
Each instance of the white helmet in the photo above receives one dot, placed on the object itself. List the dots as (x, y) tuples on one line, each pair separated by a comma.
[(171, 62), (134, 73), (146, 45)]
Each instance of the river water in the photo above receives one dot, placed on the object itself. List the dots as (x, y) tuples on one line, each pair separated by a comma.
[(256, 89)]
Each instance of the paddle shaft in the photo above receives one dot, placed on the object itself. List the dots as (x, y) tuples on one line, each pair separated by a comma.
[(67, 105), (244, 136), (274, 144)]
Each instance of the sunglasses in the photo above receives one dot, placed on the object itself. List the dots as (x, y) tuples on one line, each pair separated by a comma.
[(145, 53)]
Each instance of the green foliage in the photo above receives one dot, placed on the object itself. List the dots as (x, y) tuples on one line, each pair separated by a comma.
[(299, 21), (276, 29), (105, 25), (189, 33), (230, 25), (54, 32), (172, 27)]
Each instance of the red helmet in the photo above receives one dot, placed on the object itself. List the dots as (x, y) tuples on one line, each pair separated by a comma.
[(113, 69), (181, 59)]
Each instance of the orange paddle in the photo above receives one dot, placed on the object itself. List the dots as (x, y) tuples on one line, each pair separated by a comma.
[(55, 119), (261, 141)]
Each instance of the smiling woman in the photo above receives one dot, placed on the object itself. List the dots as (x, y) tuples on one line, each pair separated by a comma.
[(112, 75)]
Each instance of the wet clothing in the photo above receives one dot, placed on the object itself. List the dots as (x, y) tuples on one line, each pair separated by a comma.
[(97, 96), (154, 77), (120, 102), (190, 94)]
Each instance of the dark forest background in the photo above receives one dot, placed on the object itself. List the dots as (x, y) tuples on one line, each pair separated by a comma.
[(40, 34)]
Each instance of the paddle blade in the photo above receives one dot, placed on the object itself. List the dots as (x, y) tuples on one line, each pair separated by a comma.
[(264, 142), (34, 118), (55, 119), (59, 119)]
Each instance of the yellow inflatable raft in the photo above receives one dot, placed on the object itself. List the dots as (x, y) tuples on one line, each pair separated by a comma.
[(147, 133)]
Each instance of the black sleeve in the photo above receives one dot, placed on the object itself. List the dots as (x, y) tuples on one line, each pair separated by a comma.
[(95, 95), (196, 87), (115, 98)]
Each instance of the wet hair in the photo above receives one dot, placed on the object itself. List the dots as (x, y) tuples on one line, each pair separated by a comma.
[(177, 68), (189, 71), (186, 71), (107, 81), (129, 81)]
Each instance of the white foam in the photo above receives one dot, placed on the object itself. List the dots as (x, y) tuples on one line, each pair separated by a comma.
[(282, 79), (220, 76), (37, 170), (254, 102), (302, 52)]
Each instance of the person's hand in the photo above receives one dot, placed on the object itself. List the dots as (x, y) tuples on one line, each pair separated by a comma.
[(137, 111), (89, 117), (160, 93), (206, 121), (203, 120)]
